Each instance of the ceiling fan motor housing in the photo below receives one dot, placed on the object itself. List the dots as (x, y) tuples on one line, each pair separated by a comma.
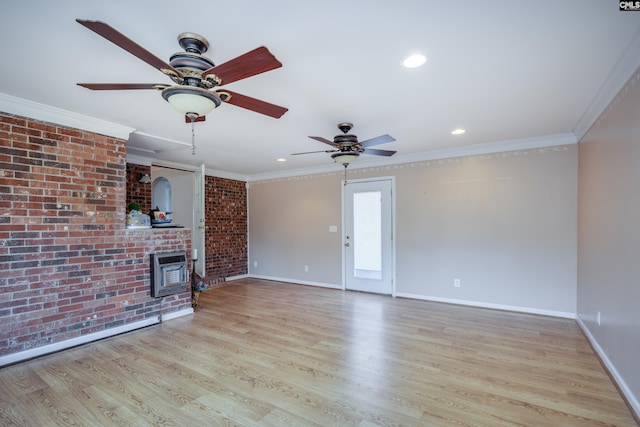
[(345, 139), (348, 143), (191, 63), (194, 61)]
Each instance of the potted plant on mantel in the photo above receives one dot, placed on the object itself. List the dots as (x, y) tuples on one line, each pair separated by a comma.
[(135, 217)]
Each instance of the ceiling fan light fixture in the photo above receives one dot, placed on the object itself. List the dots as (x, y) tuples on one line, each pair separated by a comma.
[(191, 99), (345, 158)]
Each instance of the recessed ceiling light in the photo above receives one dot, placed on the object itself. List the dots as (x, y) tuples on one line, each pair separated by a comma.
[(458, 131), (281, 159), (414, 61)]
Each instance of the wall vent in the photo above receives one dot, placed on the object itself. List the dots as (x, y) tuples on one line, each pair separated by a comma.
[(168, 273)]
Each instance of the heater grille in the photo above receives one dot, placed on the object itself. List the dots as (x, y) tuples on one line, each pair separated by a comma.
[(173, 275), (168, 273)]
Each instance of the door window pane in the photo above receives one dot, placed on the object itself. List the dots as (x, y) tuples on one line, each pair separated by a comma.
[(367, 235)]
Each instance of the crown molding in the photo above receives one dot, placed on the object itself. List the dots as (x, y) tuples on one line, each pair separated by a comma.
[(624, 69), (490, 148), (45, 113), (138, 160), (469, 150)]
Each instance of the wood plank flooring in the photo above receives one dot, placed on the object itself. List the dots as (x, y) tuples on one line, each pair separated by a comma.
[(260, 353)]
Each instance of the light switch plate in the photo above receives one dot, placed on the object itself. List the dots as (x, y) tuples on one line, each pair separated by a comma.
[(333, 229)]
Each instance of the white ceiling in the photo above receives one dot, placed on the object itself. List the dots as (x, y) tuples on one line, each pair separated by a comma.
[(504, 70)]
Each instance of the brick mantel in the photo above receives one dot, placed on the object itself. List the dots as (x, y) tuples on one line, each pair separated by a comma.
[(68, 267)]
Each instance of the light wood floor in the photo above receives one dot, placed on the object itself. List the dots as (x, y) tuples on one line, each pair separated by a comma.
[(275, 354)]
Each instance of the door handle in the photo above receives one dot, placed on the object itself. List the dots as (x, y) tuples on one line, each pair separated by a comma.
[(347, 244)]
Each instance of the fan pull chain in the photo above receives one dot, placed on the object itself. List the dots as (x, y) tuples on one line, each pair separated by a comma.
[(193, 136), (345, 175)]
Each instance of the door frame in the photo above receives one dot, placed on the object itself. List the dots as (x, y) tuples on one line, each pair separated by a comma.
[(198, 232), (393, 227)]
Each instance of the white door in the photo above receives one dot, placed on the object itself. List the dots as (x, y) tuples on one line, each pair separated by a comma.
[(198, 231), (368, 235)]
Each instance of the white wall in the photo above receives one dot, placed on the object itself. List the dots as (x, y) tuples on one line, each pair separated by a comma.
[(289, 223), (505, 224), (609, 238), (182, 194)]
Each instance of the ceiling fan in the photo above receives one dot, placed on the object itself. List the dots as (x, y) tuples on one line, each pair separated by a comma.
[(195, 75), (347, 148)]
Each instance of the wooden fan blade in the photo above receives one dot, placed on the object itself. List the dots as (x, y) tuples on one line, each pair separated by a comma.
[(251, 63), (252, 104), (382, 139), (326, 141), (127, 44), (379, 152), (122, 86), (311, 152)]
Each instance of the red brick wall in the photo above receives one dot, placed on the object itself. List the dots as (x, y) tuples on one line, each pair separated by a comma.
[(137, 192), (226, 235), (68, 267)]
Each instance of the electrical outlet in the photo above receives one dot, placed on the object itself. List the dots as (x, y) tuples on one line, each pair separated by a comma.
[(255, 263), (306, 268), (456, 283), (598, 318)]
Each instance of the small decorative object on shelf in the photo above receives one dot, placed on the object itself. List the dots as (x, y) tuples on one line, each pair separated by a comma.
[(135, 218), (159, 217)]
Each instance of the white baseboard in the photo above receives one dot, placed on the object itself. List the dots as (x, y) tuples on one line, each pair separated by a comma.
[(502, 307), (232, 278), (85, 339), (518, 309), (297, 282), (73, 342), (176, 314), (622, 385)]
